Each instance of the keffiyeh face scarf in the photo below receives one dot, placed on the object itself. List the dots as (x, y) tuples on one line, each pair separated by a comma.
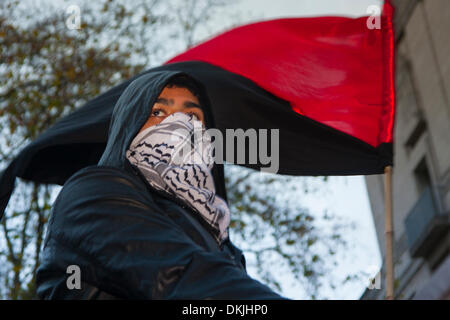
[(176, 156)]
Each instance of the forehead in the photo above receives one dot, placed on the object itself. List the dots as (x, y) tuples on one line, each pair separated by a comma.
[(177, 92)]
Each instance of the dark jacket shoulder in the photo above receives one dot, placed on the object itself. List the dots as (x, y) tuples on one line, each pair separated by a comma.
[(119, 235)]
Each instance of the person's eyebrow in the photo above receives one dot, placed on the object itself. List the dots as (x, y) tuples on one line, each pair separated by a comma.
[(187, 104), (163, 101), (190, 104)]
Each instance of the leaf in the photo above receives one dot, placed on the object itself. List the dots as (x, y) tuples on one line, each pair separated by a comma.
[(290, 242), (17, 268)]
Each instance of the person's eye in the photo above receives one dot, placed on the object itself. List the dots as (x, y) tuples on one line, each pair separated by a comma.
[(157, 113), (194, 115)]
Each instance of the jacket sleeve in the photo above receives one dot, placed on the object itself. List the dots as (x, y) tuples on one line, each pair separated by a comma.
[(106, 224)]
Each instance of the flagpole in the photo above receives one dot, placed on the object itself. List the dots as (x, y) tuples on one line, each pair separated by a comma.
[(389, 233)]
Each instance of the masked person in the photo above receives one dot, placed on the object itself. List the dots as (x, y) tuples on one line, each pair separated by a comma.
[(151, 219)]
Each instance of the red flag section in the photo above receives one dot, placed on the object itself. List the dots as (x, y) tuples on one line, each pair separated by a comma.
[(334, 70)]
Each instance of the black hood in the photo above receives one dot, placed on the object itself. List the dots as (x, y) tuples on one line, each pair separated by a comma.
[(132, 111)]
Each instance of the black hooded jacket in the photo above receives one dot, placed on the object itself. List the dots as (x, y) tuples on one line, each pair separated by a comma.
[(129, 240)]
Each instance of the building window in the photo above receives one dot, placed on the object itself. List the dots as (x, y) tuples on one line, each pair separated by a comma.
[(422, 176), (418, 131)]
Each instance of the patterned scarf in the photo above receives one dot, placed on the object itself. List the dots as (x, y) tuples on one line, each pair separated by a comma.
[(176, 156)]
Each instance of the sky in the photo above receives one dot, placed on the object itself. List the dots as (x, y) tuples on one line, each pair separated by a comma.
[(297, 8), (346, 196)]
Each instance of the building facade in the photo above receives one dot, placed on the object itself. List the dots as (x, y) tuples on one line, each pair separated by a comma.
[(421, 173)]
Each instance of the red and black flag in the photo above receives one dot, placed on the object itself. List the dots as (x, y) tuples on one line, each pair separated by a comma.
[(327, 84)]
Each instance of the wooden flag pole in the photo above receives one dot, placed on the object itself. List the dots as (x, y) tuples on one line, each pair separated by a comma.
[(389, 233)]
